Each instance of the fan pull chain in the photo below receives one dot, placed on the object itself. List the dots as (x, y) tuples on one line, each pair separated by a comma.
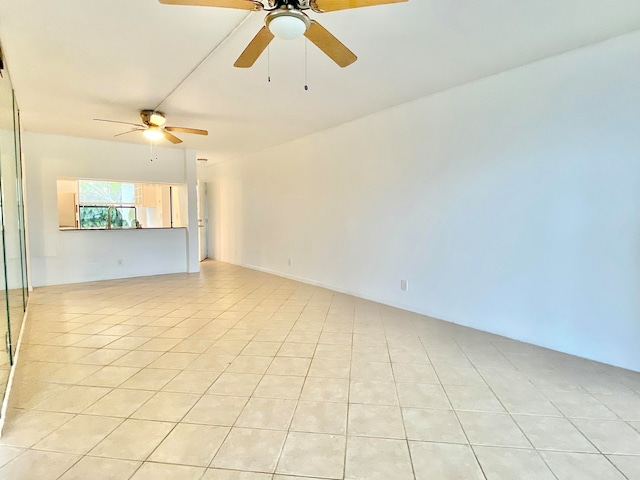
[(269, 63), (306, 69)]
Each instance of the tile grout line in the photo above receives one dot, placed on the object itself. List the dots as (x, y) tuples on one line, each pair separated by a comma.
[(464, 431), (248, 323)]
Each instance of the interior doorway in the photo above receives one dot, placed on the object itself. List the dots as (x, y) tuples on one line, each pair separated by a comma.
[(203, 220)]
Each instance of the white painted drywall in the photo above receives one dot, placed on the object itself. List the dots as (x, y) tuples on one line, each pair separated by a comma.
[(193, 241), (86, 255), (511, 204), (66, 256)]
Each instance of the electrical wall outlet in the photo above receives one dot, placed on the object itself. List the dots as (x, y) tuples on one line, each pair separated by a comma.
[(404, 285), (121, 262)]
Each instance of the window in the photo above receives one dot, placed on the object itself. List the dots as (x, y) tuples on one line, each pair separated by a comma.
[(101, 204), (106, 205), (96, 216)]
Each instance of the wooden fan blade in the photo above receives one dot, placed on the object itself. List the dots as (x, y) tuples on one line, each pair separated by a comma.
[(254, 49), (239, 4), (130, 131), (116, 121), (330, 45), (172, 138), (333, 5), (194, 131)]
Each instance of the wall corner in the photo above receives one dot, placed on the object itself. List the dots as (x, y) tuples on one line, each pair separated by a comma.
[(191, 179)]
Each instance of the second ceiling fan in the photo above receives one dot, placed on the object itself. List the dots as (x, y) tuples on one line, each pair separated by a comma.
[(286, 19), (153, 127)]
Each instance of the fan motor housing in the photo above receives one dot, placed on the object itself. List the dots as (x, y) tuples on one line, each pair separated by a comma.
[(151, 117), (287, 12)]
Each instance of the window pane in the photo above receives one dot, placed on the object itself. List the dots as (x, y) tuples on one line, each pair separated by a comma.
[(123, 217), (93, 217), (128, 193), (106, 192), (107, 217)]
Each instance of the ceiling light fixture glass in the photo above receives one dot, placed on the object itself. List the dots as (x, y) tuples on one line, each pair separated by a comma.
[(287, 24), (153, 133), (157, 119)]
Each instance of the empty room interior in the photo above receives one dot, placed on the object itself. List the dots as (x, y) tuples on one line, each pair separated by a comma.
[(320, 240)]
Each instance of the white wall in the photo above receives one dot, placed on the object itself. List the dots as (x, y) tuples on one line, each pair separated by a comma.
[(511, 204), (69, 256), (87, 255)]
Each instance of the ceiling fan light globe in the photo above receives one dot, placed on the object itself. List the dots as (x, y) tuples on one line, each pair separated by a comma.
[(157, 119), (287, 27), (153, 134)]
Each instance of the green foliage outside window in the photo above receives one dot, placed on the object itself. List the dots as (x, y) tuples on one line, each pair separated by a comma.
[(103, 204), (107, 217)]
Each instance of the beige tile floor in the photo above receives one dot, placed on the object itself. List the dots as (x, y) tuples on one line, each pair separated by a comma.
[(233, 374)]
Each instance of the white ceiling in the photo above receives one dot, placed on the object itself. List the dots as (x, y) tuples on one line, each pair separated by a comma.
[(73, 60)]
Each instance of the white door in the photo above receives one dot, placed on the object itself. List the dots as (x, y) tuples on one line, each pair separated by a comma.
[(203, 219)]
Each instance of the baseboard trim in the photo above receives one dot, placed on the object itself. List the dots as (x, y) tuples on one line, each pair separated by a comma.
[(431, 314)]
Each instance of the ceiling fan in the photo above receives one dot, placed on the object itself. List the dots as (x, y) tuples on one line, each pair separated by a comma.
[(153, 128), (287, 20)]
